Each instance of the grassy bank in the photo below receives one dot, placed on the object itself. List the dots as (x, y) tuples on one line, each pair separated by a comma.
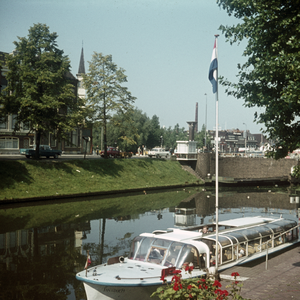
[(30, 178)]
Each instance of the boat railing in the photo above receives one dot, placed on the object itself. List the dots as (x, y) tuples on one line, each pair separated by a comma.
[(273, 238)]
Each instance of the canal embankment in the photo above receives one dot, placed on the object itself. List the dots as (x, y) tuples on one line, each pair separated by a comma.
[(245, 170), (30, 180)]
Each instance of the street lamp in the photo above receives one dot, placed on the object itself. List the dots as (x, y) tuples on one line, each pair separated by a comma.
[(245, 138)]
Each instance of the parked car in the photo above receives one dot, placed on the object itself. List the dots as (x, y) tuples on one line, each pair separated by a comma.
[(111, 152), (45, 150), (158, 153)]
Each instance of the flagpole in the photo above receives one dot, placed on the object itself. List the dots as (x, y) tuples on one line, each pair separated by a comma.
[(213, 78), (217, 164)]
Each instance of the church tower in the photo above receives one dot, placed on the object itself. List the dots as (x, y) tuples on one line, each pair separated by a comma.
[(81, 71)]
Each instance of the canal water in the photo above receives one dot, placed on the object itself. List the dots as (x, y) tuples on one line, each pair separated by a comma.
[(43, 246)]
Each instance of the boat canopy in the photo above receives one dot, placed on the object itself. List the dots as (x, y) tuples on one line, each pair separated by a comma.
[(233, 236)]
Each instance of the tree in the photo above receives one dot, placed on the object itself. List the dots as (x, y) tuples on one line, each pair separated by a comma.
[(270, 78), (105, 94), (133, 132), (172, 135), (39, 93), (155, 132)]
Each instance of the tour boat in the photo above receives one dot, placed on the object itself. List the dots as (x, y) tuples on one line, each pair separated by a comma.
[(157, 254)]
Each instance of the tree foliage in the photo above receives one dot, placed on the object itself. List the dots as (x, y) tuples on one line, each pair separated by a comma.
[(39, 93), (105, 93), (139, 130), (270, 78)]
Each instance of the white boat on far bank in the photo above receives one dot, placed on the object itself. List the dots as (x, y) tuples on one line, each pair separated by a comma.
[(159, 253)]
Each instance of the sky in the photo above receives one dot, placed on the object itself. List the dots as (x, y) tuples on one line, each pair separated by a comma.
[(165, 47)]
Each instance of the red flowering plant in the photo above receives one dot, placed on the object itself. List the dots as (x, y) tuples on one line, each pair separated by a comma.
[(235, 286), (197, 288)]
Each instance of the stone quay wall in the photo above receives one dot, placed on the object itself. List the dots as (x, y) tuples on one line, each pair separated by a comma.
[(244, 167)]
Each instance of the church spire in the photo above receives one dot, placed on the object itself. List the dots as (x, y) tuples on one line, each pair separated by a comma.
[(81, 69)]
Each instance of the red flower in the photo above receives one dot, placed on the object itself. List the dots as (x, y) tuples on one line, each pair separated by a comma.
[(191, 268), (190, 296), (218, 291), (200, 286), (177, 272), (225, 293), (187, 268), (236, 282), (162, 278), (175, 287), (217, 283), (203, 280), (235, 274), (189, 287)]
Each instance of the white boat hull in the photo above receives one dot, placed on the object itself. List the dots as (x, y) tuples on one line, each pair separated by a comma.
[(96, 292)]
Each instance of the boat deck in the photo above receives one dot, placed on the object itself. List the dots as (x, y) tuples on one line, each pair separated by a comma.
[(280, 281)]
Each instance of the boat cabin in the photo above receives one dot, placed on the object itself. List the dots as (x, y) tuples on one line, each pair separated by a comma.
[(176, 247)]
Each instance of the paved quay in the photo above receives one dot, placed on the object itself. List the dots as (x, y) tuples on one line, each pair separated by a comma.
[(280, 281)]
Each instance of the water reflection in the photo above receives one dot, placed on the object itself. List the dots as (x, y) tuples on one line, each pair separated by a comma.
[(42, 247)]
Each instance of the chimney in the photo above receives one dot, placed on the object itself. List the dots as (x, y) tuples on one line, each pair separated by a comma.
[(191, 130)]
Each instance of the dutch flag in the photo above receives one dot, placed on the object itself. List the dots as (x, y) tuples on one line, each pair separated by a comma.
[(213, 69)]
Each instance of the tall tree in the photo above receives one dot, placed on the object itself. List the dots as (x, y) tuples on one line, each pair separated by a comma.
[(105, 93), (155, 132), (270, 78), (38, 92)]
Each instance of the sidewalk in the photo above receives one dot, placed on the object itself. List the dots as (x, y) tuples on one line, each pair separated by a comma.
[(280, 282)]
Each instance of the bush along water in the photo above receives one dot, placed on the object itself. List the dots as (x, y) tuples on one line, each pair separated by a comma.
[(198, 288)]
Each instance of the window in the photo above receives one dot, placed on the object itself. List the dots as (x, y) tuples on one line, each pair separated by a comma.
[(189, 254), (13, 121), (26, 126), (52, 140), (4, 124), (72, 139), (9, 143), (143, 249)]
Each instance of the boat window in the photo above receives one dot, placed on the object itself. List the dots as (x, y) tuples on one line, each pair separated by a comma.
[(240, 237), (292, 235), (289, 236), (209, 243), (143, 249), (156, 255), (250, 233), (226, 254), (264, 230), (286, 224), (172, 254), (161, 243), (238, 251), (253, 246), (279, 240), (189, 254), (266, 241), (223, 240), (134, 246), (276, 228), (241, 250)]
